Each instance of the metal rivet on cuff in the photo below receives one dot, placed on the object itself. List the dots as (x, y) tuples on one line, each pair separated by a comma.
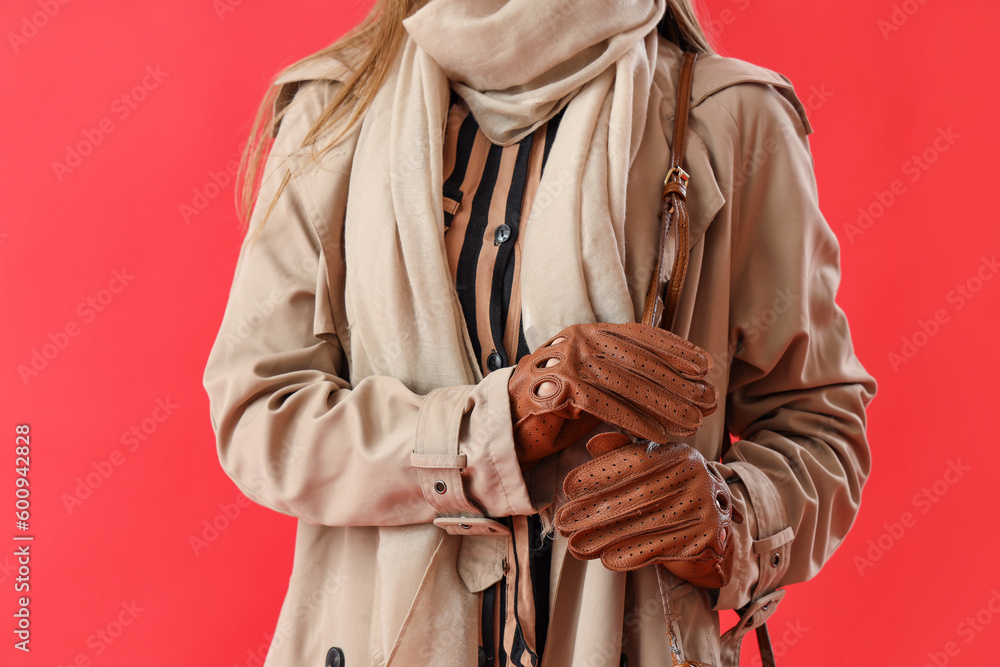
[(775, 559), (440, 486)]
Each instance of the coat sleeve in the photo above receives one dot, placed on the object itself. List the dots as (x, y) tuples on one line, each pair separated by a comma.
[(797, 393), (291, 432)]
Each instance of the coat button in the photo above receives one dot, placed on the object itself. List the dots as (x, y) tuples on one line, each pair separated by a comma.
[(624, 661), (482, 657), (494, 361), (501, 234), (335, 657)]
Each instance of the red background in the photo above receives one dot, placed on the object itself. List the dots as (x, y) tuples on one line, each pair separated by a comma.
[(899, 591)]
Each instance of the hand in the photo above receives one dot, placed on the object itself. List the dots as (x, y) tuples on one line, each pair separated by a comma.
[(646, 381), (631, 507)]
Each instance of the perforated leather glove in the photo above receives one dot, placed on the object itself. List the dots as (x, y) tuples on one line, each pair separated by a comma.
[(647, 381), (632, 507)]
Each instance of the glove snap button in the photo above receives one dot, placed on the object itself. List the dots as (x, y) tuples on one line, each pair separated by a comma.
[(440, 486)]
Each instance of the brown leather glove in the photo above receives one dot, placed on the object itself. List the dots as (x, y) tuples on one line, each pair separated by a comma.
[(644, 380), (631, 507)]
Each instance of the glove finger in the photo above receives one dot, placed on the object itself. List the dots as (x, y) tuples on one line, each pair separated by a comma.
[(603, 443), (657, 502), (706, 569), (635, 391), (610, 354), (697, 549), (620, 511), (689, 360), (650, 498), (615, 468), (648, 382), (632, 528), (644, 409)]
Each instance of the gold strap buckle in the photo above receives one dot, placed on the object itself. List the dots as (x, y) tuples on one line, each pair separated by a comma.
[(681, 174)]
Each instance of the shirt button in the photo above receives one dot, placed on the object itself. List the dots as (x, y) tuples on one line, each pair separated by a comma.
[(494, 361), (335, 657), (482, 657), (501, 234)]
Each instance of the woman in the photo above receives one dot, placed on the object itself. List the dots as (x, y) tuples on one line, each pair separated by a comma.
[(437, 309)]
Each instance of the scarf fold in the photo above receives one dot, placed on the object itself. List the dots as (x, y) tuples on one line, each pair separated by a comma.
[(516, 63)]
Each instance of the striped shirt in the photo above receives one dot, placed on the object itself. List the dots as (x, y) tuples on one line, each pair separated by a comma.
[(487, 194)]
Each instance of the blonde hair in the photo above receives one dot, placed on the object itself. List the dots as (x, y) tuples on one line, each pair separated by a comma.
[(370, 47)]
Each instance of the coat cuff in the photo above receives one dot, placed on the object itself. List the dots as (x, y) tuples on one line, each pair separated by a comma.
[(464, 455), (763, 540)]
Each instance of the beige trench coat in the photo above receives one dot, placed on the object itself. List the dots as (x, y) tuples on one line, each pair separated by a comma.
[(383, 568)]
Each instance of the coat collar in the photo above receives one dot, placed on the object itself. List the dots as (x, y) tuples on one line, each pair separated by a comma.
[(712, 74)]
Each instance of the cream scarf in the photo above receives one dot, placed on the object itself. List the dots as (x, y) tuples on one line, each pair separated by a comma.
[(516, 63)]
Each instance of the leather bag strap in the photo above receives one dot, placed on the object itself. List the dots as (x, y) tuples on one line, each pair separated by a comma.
[(664, 292), (764, 646), (665, 289)]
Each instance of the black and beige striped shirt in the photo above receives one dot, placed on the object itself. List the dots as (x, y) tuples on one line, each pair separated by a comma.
[(487, 194)]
